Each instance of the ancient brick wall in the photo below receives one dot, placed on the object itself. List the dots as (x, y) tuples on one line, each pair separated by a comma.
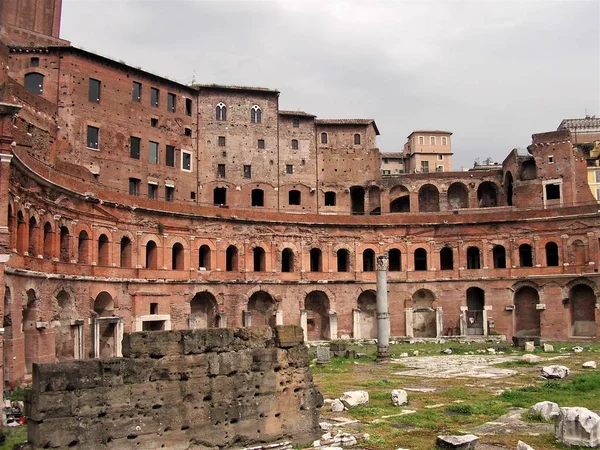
[(180, 390)]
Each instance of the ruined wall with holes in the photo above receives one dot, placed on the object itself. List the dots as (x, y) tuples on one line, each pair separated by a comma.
[(180, 390)]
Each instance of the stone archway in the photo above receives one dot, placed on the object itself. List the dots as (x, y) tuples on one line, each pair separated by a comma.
[(107, 329), (316, 305), (424, 315), (262, 308), (475, 311), (367, 315), (66, 334), (527, 316), (203, 311), (582, 308), (30, 333)]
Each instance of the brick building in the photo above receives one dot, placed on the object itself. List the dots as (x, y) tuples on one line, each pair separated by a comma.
[(131, 202)]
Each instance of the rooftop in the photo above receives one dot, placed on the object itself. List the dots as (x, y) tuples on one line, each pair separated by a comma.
[(392, 155), (348, 122), (230, 87), (295, 113), (430, 131), (587, 122)]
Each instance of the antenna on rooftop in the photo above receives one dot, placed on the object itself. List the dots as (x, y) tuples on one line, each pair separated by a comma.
[(194, 77)]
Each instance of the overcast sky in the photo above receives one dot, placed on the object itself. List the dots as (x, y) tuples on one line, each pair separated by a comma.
[(491, 71)]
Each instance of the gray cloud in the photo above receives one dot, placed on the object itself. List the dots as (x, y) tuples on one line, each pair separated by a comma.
[(493, 72)]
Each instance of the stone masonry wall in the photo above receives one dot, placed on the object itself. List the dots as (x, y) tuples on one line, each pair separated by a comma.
[(192, 389)]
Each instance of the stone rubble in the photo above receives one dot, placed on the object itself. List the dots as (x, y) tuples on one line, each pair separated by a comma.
[(547, 348), (555, 371), (354, 398), (578, 426), (531, 359), (447, 351), (577, 349), (529, 346), (337, 406), (339, 439), (464, 442), (399, 397), (549, 411), (589, 365), (523, 446)]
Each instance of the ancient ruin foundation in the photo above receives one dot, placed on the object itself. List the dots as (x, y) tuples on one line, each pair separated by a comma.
[(190, 389)]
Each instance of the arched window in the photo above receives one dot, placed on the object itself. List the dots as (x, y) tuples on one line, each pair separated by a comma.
[(368, 260), (343, 259), (21, 233), (65, 244), (103, 250), (287, 260), (204, 257), (151, 255), (324, 139), (473, 258), (446, 259), (499, 256), (231, 259), (294, 197), (551, 254), (315, 260), (221, 111), (33, 237), (294, 144), (83, 247), (429, 198), (420, 259), (395, 260), (255, 114), (259, 259), (34, 82), (357, 139), (48, 240), (177, 257), (125, 252), (525, 255), (258, 197)]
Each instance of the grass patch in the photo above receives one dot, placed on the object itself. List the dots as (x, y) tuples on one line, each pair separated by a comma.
[(382, 382), (16, 435), (518, 363)]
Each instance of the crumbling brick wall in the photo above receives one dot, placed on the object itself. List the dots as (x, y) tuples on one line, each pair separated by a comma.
[(179, 390)]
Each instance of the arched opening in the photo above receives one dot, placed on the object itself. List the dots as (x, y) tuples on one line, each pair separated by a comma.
[(473, 258), (356, 139), (151, 255), (528, 170), (11, 227), (324, 139), (551, 254), (231, 259), (316, 305), (527, 316), (83, 243), (424, 320), (287, 260), (258, 197), (104, 306), (446, 259), (487, 195), (395, 260), (30, 332), (499, 257), (204, 257), (177, 256), (258, 259), (475, 306), (21, 233), (65, 244), (582, 305), (458, 196), (367, 305), (34, 82), (374, 201), (125, 253), (315, 260), (330, 198), (420, 259), (429, 198), (220, 196), (48, 234), (357, 198), (103, 247), (508, 188), (33, 237), (578, 253), (525, 255), (294, 197), (343, 260), (401, 202), (203, 311), (263, 309), (368, 260), (64, 333)]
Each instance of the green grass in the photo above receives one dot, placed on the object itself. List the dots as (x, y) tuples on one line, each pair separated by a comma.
[(16, 435)]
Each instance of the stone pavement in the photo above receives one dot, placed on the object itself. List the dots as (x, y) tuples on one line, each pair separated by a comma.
[(456, 366)]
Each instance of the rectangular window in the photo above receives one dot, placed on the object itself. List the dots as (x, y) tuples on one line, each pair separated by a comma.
[(432, 140), (134, 186), (186, 161), (153, 152), (386, 172), (261, 144), (421, 140), (386, 161), (94, 93), (187, 132), (171, 102), (597, 173), (597, 194), (553, 192), (135, 144), (93, 137), (170, 156), (34, 62), (440, 157), (154, 96), (153, 122), (294, 144), (188, 106), (424, 166), (550, 159), (136, 93), (289, 168), (192, 195), (169, 193), (247, 171), (296, 123), (221, 141), (221, 171), (152, 191), (439, 169), (444, 140)]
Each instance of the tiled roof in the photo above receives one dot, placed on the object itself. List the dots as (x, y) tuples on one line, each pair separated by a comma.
[(588, 122), (392, 155), (430, 131), (348, 122), (234, 88), (295, 113)]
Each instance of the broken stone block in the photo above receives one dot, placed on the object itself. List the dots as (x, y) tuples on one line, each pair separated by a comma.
[(589, 365), (578, 426), (354, 398), (555, 371), (337, 406), (491, 351), (523, 446), (287, 336), (403, 355), (447, 351), (531, 359), (399, 397), (548, 410), (416, 353), (547, 348), (323, 355), (529, 346), (577, 349), (464, 442)]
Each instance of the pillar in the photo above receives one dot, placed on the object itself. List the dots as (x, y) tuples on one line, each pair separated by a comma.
[(408, 315), (246, 318), (383, 315), (356, 334), (304, 324), (439, 322), (333, 325)]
